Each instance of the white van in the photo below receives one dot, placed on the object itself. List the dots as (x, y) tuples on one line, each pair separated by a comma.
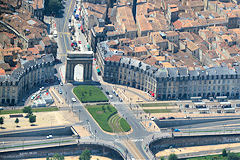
[(55, 34), (74, 99)]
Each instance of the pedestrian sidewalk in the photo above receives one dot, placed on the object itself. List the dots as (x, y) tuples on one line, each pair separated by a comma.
[(58, 99)]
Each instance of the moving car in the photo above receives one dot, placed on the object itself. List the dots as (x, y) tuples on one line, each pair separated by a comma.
[(74, 100), (60, 91), (153, 118), (187, 117), (171, 118), (49, 136)]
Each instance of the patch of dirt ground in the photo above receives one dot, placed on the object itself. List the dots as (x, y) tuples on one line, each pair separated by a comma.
[(43, 119), (75, 158), (186, 150)]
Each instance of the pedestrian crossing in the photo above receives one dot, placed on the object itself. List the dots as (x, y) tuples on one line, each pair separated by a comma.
[(132, 140)]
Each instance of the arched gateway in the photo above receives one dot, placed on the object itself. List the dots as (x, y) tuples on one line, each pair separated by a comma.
[(73, 58)]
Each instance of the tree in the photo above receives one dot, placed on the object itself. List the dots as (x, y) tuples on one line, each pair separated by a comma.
[(32, 118), (224, 153), (28, 110), (17, 121), (56, 157), (233, 156), (162, 158), (53, 6), (86, 155), (172, 157), (1, 121)]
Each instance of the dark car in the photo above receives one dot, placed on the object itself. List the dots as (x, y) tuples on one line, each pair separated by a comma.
[(71, 37), (162, 118), (107, 92), (171, 118), (69, 20)]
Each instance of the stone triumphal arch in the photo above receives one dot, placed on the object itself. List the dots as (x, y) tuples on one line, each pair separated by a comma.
[(74, 58)]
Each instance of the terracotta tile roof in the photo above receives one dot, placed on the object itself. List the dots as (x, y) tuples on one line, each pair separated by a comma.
[(33, 50), (192, 46), (2, 71), (46, 40), (38, 4), (174, 10), (125, 18), (5, 66), (156, 37), (171, 33), (177, 24), (143, 23), (140, 49), (114, 58)]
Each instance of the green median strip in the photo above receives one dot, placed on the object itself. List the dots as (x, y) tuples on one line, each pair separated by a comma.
[(86, 93), (156, 104), (108, 118), (158, 110), (27, 145), (102, 113), (124, 125), (16, 111)]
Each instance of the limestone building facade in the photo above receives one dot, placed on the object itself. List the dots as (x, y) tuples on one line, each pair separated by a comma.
[(169, 83), (31, 74)]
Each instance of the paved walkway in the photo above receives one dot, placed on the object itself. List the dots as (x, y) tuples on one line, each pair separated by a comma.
[(199, 150)]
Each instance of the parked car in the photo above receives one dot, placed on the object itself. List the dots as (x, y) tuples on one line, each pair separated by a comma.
[(69, 20), (177, 130), (187, 117), (107, 92), (162, 118), (61, 84), (171, 118)]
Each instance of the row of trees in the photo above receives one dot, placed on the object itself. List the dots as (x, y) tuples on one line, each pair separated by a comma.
[(28, 111), (86, 155)]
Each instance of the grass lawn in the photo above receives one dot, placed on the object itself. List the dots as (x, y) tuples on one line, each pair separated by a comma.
[(158, 110), (108, 118), (87, 93), (156, 104), (15, 111), (102, 113), (124, 125)]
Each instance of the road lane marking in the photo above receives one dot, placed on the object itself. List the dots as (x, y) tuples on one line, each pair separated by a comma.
[(70, 6)]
